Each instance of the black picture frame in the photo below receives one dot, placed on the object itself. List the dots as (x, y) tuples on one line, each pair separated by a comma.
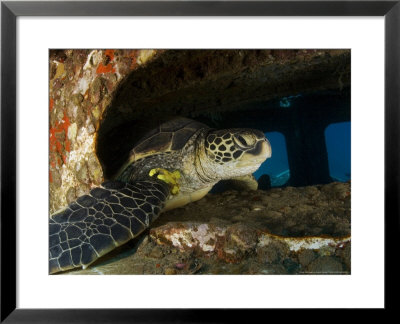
[(9, 13)]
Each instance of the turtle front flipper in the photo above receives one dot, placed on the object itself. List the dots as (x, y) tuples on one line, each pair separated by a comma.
[(97, 223)]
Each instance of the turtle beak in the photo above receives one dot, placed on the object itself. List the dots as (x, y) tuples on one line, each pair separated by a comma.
[(266, 149), (256, 156)]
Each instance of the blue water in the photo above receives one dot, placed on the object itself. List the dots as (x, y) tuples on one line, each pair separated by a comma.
[(338, 144), (277, 166), (337, 137)]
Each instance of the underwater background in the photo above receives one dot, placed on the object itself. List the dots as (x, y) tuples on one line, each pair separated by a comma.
[(337, 137), (310, 136), (299, 219)]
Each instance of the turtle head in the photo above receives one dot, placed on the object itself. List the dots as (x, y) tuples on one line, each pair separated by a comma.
[(237, 151)]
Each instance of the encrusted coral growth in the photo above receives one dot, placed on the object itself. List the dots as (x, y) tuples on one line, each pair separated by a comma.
[(81, 86)]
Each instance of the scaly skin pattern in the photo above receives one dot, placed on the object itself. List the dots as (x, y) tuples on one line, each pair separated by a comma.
[(119, 210), (107, 217)]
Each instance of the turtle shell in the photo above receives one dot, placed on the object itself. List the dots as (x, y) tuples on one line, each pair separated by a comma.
[(167, 137)]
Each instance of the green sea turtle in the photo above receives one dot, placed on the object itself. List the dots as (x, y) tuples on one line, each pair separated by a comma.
[(172, 165)]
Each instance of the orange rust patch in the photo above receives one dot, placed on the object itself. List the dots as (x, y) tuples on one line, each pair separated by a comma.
[(50, 177), (110, 54), (51, 104), (56, 145), (101, 69)]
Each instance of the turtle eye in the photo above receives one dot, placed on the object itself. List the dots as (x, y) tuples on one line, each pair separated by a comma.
[(245, 140)]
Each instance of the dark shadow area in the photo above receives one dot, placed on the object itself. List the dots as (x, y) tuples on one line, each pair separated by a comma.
[(274, 91)]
